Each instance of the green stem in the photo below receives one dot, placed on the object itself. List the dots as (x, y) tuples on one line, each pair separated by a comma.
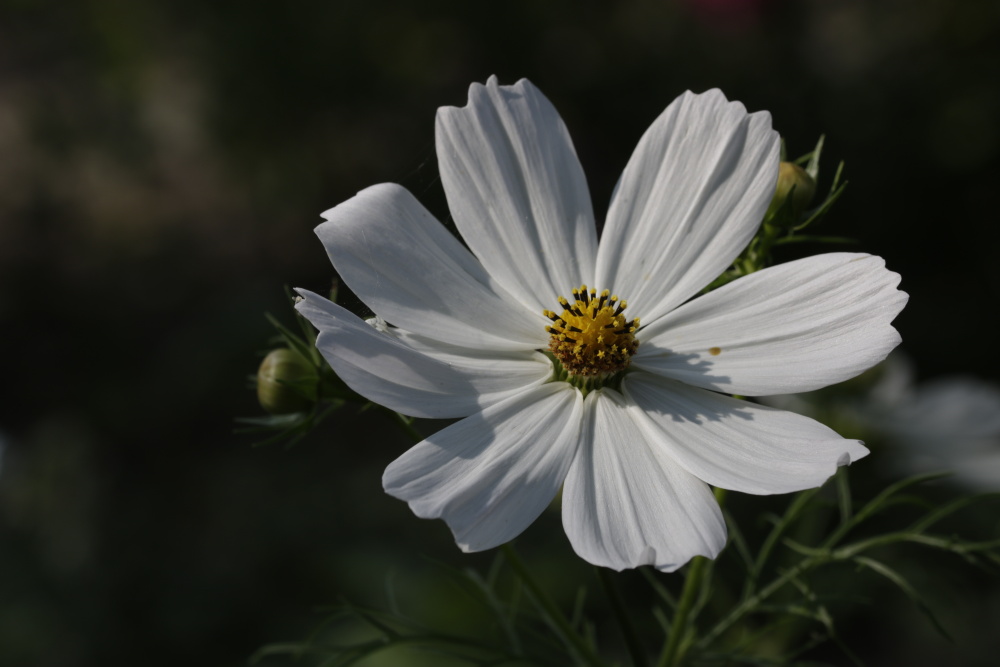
[(621, 615), (692, 585), (406, 424), (794, 510), (562, 626), (765, 593)]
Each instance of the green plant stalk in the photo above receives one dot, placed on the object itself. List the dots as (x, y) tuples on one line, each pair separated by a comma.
[(764, 593), (672, 655), (791, 515), (562, 626), (406, 424), (692, 584)]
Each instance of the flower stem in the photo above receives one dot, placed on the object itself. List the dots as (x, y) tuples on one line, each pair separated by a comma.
[(562, 626), (692, 584), (406, 424), (672, 655), (635, 649), (756, 599)]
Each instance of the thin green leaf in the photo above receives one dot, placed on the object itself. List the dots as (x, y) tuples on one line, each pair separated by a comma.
[(812, 168), (738, 541), (749, 604), (371, 617), (818, 213), (950, 544), (661, 618), (620, 612), (269, 422), (876, 504), (293, 340), (906, 587), (704, 593), (649, 574), (836, 177), (844, 495), (578, 615), (810, 238), (793, 512), (390, 594), (942, 512), (488, 598), (296, 649)]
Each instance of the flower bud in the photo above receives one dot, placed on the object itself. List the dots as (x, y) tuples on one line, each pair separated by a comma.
[(791, 176), (286, 382)]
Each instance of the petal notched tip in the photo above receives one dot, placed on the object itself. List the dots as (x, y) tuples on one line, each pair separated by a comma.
[(491, 88), (856, 452), (390, 191), (649, 556), (714, 97), (467, 548)]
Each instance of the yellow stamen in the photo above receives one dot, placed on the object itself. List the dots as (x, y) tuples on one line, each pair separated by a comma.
[(591, 337)]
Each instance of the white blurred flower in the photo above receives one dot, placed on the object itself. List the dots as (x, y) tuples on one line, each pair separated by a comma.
[(950, 423), (630, 420)]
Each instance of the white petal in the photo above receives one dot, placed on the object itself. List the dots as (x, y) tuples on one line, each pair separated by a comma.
[(490, 475), (407, 268), (691, 198), (517, 192), (534, 366), (627, 503), (387, 371), (738, 445), (790, 328)]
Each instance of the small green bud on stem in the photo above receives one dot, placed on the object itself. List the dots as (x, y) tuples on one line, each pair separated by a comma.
[(286, 382), (792, 195)]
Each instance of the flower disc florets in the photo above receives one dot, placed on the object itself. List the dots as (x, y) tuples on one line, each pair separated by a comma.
[(592, 338)]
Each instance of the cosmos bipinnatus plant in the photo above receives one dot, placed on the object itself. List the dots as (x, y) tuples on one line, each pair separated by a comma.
[(617, 373)]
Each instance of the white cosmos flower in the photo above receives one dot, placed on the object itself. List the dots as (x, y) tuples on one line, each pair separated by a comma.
[(951, 423), (635, 440)]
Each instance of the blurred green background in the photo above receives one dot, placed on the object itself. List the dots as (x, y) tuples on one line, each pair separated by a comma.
[(163, 163)]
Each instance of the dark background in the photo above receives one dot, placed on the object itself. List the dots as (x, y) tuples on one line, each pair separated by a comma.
[(163, 163)]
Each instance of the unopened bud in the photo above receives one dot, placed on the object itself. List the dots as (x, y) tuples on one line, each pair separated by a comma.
[(286, 382), (795, 186)]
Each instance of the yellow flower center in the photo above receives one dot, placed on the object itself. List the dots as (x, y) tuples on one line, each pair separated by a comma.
[(591, 337)]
